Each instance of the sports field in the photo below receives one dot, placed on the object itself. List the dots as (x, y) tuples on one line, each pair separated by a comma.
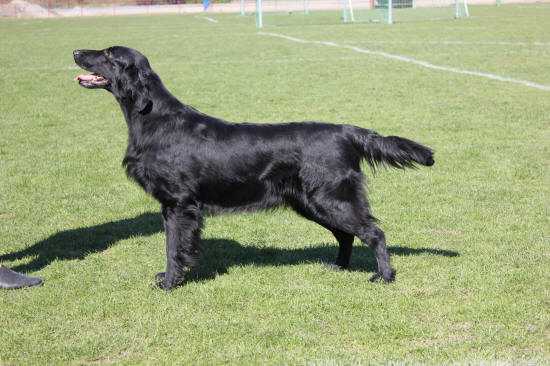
[(469, 237)]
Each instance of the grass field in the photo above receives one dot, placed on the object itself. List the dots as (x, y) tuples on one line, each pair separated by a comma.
[(469, 237)]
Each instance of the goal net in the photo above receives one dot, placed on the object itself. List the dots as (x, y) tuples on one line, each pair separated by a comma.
[(317, 12)]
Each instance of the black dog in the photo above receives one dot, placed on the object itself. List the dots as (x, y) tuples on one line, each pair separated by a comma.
[(193, 163)]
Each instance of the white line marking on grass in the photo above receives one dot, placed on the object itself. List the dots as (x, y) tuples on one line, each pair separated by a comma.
[(212, 20), (411, 60), (462, 43), (43, 68)]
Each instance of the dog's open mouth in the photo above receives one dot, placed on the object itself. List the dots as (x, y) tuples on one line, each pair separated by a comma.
[(93, 80)]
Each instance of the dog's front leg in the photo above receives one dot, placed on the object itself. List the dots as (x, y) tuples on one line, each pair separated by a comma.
[(182, 225)]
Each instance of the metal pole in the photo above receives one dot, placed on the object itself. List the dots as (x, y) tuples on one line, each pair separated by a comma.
[(259, 11), (457, 10), (390, 12), (351, 16), (344, 11)]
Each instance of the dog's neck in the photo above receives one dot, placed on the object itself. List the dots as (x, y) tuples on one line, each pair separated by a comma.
[(162, 103), (158, 101)]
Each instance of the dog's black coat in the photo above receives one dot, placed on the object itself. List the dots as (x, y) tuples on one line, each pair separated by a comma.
[(193, 163)]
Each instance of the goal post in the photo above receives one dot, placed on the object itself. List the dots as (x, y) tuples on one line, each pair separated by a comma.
[(397, 11), (319, 12), (347, 11), (259, 14), (461, 9)]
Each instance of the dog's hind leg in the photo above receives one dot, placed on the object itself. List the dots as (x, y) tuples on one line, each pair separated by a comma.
[(369, 233), (349, 218), (182, 224), (374, 237), (345, 240), (360, 222), (345, 243)]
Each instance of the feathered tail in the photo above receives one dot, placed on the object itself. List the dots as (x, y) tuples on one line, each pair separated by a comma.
[(394, 151)]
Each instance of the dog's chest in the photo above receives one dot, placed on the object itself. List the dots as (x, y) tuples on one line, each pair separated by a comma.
[(136, 170), (155, 176)]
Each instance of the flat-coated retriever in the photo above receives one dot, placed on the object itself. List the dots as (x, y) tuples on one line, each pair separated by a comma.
[(193, 163)]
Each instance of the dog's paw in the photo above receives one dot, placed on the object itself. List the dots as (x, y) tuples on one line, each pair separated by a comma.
[(335, 267), (164, 283), (159, 280), (159, 277), (387, 277)]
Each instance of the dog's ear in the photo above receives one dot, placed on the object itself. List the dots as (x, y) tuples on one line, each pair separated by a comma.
[(139, 87)]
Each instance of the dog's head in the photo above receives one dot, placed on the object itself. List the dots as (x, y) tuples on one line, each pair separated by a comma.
[(122, 71)]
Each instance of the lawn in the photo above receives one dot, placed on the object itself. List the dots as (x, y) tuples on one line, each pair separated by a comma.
[(469, 236)]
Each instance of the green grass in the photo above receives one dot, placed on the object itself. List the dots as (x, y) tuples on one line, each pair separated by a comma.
[(469, 237)]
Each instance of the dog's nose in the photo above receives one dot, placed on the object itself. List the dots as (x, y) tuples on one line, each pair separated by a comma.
[(76, 53)]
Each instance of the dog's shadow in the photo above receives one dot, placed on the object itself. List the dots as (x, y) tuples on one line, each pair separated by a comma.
[(219, 254)]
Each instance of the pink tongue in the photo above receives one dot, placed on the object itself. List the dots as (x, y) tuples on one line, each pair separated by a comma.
[(86, 77)]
